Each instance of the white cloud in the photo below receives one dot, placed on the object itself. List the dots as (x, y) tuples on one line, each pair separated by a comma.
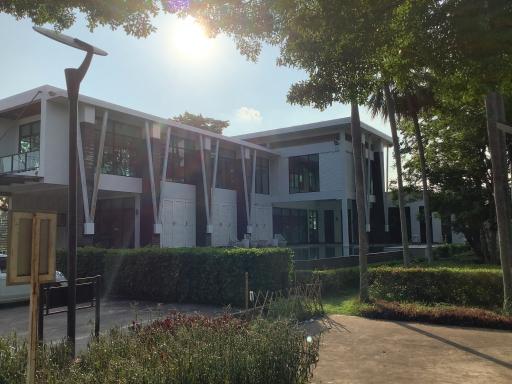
[(248, 114)]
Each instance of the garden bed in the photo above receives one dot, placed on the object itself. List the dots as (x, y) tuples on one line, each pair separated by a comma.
[(179, 348)]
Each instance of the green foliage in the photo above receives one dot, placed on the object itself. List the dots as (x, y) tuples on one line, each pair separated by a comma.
[(193, 275), (13, 355), (449, 250), (206, 123), (134, 16), (459, 286), (180, 348)]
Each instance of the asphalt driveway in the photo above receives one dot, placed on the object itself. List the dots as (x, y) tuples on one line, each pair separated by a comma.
[(114, 313)]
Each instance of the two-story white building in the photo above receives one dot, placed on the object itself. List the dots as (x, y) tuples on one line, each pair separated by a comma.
[(145, 180)]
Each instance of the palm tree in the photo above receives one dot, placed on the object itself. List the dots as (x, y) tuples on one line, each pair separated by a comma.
[(355, 126), (408, 105), (382, 102), (413, 105)]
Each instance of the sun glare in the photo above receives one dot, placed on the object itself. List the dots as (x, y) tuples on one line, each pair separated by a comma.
[(189, 39)]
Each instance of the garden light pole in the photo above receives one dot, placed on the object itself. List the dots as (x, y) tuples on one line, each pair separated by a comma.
[(74, 77)]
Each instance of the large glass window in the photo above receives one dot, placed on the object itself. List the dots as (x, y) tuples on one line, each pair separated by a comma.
[(122, 144), (262, 177), (226, 175), (303, 173), (29, 137), (179, 150)]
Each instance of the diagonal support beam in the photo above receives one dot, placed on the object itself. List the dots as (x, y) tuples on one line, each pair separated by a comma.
[(244, 176), (81, 166), (205, 182), (214, 178), (151, 173), (99, 162), (164, 172)]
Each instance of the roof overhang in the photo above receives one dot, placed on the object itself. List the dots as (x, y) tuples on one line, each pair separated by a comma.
[(309, 130)]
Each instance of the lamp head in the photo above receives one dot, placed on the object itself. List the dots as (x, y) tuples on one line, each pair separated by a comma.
[(71, 41)]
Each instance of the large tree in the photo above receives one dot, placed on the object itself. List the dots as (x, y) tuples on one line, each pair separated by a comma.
[(202, 122), (134, 16), (459, 169)]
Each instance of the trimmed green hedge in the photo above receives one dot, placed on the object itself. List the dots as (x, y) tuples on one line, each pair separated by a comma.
[(193, 275), (461, 286), (472, 286), (448, 250)]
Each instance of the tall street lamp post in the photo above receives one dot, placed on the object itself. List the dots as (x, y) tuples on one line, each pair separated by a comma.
[(74, 77)]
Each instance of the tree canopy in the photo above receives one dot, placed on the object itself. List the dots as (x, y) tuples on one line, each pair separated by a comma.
[(134, 16), (199, 121)]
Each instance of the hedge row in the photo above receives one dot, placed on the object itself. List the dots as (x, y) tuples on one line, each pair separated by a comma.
[(474, 287), (468, 287), (193, 275), (448, 250)]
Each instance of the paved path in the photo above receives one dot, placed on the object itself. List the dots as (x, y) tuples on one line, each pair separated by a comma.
[(358, 350), (114, 313)]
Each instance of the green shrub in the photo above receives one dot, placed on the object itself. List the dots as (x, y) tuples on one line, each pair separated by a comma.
[(334, 281), (460, 286), (183, 349), (447, 250), (194, 275)]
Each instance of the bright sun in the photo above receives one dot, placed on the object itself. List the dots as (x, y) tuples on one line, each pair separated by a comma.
[(189, 38)]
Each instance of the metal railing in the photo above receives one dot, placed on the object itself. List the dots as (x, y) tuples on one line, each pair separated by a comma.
[(19, 162)]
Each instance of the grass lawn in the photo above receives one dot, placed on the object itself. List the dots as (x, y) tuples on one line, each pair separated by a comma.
[(346, 304)]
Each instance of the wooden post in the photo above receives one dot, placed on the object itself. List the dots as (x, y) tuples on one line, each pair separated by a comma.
[(34, 303), (246, 290), (97, 292)]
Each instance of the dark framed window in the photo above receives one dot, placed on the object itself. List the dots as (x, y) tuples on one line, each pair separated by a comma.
[(262, 176), (122, 146), (226, 169), (179, 150), (304, 173), (29, 137)]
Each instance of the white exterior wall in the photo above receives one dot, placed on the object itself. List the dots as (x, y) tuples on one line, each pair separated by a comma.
[(178, 215), (330, 163), (224, 219), (9, 135), (262, 230), (55, 148)]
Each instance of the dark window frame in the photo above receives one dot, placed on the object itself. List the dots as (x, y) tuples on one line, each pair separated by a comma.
[(121, 152), (34, 137), (179, 148), (262, 176), (304, 173)]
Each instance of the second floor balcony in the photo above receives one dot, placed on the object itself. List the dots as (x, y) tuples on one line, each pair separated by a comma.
[(19, 162)]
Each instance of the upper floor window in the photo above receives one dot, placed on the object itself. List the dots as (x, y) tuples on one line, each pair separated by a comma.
[(304, 173), (122, 144), (262, 176), (226, 174), (29, 137), (179, 155)]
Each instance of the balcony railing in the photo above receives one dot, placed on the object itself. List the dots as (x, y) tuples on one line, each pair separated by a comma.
[(19, 162)]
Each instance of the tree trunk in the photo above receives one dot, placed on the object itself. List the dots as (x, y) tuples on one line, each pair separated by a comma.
[(424, 181), (355, 125), (390, 103), (500, 184)]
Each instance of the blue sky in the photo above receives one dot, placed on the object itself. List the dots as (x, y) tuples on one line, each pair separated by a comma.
[(164, 74)]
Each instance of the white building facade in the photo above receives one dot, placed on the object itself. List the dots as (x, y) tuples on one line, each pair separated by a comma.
[(149, 180)]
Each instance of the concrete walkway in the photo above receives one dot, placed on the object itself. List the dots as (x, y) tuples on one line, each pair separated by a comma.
[(358, 350)]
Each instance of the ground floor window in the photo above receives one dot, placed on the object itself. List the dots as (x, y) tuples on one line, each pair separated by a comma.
[(297, 226)]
